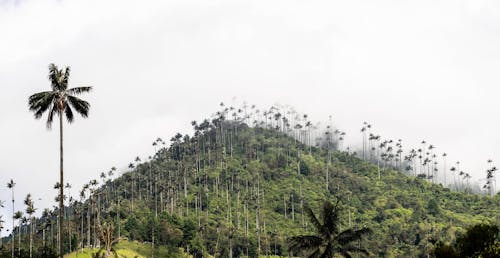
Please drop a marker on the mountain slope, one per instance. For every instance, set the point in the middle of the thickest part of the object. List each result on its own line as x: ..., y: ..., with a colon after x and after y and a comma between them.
x: 239, y: 188
x: 233, y: 190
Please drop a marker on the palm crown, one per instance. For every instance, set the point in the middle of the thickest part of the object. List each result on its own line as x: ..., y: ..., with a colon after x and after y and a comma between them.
x: 329, y: 240
x: 60, y: 99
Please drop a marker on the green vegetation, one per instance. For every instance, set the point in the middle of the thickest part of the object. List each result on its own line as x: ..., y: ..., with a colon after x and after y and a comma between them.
x: 480, y: 240
x: 231, y: 190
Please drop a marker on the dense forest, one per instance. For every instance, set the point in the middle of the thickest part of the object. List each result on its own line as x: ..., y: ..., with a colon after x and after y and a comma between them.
x: 242, y: 184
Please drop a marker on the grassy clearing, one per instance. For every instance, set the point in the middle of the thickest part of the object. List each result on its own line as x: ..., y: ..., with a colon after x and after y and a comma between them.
x: 89, y: 253
x: 126, y: 249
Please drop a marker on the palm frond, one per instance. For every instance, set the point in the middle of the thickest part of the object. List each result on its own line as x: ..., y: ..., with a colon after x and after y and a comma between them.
x: 79, y: 90
x: 328, y: 253
x: 350, y: 235
x: 299, y: 244
x: 345, y: 254
x: 35, y: 98
x: 315, y: 254
x: 69, y: 113
x: 40, y: 102
x: 330, y: 217
x: 313, y: 219
x: 80, y: 106
x: 65, y: 78
x: 352, y: 248
x: 54, y: 77
x: 53, y: 110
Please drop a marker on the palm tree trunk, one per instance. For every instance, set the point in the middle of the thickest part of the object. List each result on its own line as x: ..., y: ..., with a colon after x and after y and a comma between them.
x: 13, y: 222
x: 82, y: 235
x: 43, y: 235
x: 444, y: 171
x: 52, y: 235
x: 284, y: 204
x: 88, y: 225
x: 327, y: 165
x: 19, y: 238
x: 61, y: 186
x: 31, y: 237
x: 153, y: 242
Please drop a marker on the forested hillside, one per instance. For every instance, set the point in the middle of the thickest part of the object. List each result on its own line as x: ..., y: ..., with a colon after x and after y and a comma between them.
x: 233, y: 190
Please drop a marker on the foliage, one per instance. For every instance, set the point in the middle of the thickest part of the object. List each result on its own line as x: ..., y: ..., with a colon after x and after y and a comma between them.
x: 481, y: 240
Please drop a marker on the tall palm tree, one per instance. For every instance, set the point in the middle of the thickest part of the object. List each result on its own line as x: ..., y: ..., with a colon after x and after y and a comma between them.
x: 1, y: 228
x: 329, y: 240
x: 11, y: 186
x: 490, y: 174
x: 30, y: 210
x: 444, y: 167
x: 1, y: 225
x: 61, y: 101
x: 23, y: 224
x: 131, y: 167
x: 45, y: 224
x: 18, y: 216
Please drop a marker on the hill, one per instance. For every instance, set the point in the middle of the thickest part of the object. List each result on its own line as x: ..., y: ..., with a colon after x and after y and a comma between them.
x: 232, y: 190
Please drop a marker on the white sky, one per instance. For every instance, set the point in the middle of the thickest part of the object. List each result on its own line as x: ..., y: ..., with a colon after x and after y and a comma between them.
x: 416, y: 70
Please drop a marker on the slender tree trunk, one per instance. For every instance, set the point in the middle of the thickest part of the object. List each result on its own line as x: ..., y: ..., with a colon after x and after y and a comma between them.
x: 132, y: 190
x: 156, y: 195
x: 69, y: 233
x: 61, y: 186
x: 301, y: 205
x: 284, y: 204
x: 51, y: 235
x: 94, y: 227
x: 81, y: 230
x: 88, y: 225
x: 327, y: 172
x: 238, y: 210
x: 257, y: 221
x: 444, y: 171
x: 13, y: 222
x: 153, y: 240
x: 31, y: 237
x: 230, y: 245
x: 19, y: 238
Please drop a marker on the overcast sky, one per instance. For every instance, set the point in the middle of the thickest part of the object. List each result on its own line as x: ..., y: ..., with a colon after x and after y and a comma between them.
x: 414, y: 69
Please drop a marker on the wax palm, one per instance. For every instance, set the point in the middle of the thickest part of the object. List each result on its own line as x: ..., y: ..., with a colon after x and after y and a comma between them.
x: 30, y: 210
x: 1, y: 228
x: 11, y: 186
x: 60, y: 101
x: 18, y: 216
x: 329, y: 240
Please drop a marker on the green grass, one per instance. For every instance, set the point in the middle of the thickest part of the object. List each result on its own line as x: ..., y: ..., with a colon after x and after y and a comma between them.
x: 89, y: 253
x: 127, y: 249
